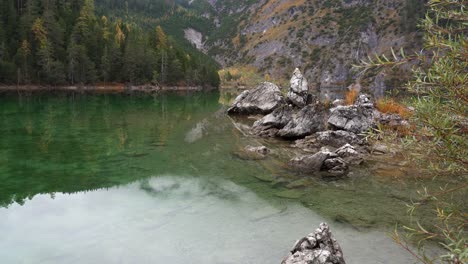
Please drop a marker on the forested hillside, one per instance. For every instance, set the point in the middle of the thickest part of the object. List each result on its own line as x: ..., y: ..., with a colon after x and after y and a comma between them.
x: 58, y: 42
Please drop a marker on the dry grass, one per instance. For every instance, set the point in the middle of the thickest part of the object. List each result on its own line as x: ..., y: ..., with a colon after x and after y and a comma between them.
x: 389, y: 106
x: 242, y: 76
x: 350, y: 96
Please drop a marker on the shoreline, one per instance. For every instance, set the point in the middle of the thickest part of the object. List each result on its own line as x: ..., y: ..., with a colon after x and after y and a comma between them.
x: 101, y: 89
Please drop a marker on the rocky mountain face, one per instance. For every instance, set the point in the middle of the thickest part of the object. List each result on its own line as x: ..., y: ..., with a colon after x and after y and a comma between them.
x: 323, y: 38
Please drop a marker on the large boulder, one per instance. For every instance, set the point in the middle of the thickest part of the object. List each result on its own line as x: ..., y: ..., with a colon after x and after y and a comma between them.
x: 307, y: 121
x: 261, y: 100
x: 271, y: 123
x: 352, y: 118
x: 298, y: 89
x: 319, y: 247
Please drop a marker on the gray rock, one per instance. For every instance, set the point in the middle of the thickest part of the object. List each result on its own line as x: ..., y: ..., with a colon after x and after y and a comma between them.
x: 335, y: 166
x: 346, y: 151
x: 299, y: 89
x: 330, y: 138
x: 319, y: 247
x: 394, y: 121
x: 338, y: 102
x: 276, y: 119
x: 380, y: 149
x: 261, y: 100
x: 349, y: 154
x: 297, y: 99
x: 253, y: 153
x: 352, y: 118
x: 261, y: 150
x: 307, y: 121
x: 311, y: 163
x: 364, y: 100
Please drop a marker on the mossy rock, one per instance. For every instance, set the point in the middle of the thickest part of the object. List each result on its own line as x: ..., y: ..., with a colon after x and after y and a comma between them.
x: 290, y: 194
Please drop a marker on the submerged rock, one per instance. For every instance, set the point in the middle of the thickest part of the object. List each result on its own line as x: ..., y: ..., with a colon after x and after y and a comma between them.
x: 197, y: 132
x: 311, y: 163
x: 307, y: 121
x: 253, y: 153
x: 290, y: 194
x: 319, y: 247
x: 261, y: 100
x: 298, y: 89
x: 261, y: 150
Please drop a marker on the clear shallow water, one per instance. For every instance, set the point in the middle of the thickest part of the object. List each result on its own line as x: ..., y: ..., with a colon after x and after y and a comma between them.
x: 169, y: 219
x: 116, y: 179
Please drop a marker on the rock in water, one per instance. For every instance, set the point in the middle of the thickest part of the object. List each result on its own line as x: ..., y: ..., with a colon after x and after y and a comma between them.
x: 349, y: 154
x: 316, y: 248
x: 335, y: 166
x: 329, y: 138
x: 299, y: 89
x: 307, y: 121
x: 273, y: 121
x: 253, y: 153
x: 261, y: 100
x: 311, y: 163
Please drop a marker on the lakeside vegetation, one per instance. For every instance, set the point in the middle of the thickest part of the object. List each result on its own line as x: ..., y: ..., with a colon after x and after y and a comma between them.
x: 438, y: 141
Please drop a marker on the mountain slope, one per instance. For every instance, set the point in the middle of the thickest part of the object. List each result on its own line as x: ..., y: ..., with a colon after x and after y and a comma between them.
x: 324, y: 38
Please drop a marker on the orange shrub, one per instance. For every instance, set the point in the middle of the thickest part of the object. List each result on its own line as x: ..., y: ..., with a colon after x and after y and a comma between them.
x: 392, y: 107
x: 350, y: 96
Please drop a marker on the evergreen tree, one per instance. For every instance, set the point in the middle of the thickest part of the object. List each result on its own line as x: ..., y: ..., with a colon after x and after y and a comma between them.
x: 59, y: 41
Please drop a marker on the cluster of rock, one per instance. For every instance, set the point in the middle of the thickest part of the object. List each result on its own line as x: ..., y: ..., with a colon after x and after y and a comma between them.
x: 334, y: 163
x: 313, y: 126
x: 316, y: 248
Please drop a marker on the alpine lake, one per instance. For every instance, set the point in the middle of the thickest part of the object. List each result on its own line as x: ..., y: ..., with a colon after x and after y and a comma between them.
x: 114, y: 178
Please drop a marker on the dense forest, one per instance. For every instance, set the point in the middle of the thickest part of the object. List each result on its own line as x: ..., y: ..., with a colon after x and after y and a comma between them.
x: 58, y: 42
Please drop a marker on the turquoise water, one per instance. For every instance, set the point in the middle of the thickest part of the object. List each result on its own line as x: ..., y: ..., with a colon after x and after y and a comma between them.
x: 157, y: 179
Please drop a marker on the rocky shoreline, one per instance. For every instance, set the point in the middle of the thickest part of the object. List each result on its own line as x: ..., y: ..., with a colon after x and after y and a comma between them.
x: 332, y: 134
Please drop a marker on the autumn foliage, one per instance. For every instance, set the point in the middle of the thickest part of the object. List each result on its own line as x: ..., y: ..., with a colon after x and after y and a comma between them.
x: 350, y: 96
x: 390, y: 106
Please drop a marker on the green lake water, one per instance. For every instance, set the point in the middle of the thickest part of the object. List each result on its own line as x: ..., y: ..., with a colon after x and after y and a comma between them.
x: 158, y: 179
